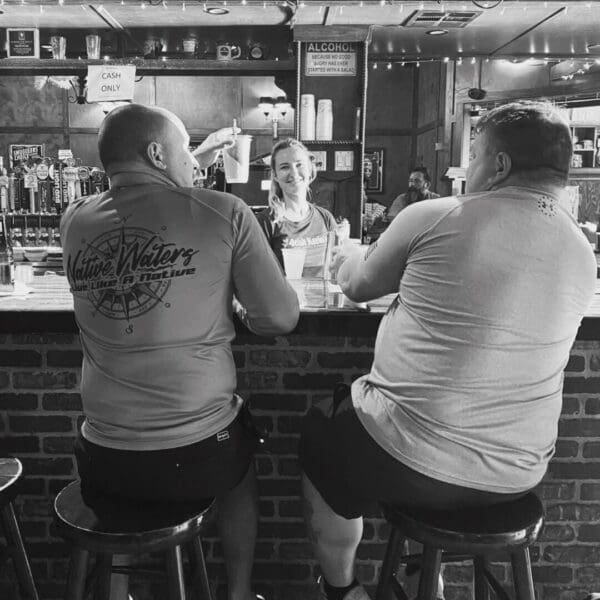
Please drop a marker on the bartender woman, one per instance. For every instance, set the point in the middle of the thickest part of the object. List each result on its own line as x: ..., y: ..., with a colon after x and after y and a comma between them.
x: 291, y: 220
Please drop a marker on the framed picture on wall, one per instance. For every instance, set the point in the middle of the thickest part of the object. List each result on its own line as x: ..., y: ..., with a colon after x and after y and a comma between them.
x: 373, y: 170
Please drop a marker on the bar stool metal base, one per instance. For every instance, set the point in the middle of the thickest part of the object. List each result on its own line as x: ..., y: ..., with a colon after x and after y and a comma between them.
x: 457, y: 536
x: 113, y: 527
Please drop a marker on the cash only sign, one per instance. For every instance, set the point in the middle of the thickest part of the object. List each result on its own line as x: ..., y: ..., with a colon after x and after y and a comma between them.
x: 109, y: 83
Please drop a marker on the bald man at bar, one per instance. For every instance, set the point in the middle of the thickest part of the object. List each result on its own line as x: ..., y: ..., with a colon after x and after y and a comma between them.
x: 461, y: 406
x: 154, y: 265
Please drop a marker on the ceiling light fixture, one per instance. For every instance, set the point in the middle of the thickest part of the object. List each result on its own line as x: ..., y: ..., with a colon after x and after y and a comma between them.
x: 216, y: 11
x: 437, y: 32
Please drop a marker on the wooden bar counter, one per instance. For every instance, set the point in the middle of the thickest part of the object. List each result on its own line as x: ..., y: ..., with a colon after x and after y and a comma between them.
x: 40, y: 411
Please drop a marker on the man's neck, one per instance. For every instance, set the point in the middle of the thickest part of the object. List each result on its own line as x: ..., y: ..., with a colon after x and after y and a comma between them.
x: 128, y: 174
x: 540, y: 186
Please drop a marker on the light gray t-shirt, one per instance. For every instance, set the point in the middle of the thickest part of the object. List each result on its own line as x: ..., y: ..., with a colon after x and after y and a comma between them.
x: 153, y: 269
x: 467, y: 377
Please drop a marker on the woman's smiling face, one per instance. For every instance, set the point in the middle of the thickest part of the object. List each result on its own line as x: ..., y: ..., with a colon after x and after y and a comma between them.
x: 293, y: 171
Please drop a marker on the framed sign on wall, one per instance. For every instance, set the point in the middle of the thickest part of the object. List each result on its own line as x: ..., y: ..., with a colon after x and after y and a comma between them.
x: 373, y: 170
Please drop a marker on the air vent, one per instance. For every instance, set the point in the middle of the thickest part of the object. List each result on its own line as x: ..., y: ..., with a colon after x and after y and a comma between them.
x: 440, y: 18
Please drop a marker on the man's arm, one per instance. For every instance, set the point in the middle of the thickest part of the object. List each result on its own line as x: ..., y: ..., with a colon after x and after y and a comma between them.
x: 270, y: 303
x: 379, y: 271
x: 206, y: 153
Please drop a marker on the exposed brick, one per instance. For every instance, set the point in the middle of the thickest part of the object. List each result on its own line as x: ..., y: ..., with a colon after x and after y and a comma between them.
x: 311, y: 381
x: 572, y: 554
x: 588, y: 576
x: 39, y: 507
x: 556, y: 491
x: 41, y: 549
x: 591, y: 450
x: 289, y: 424
x: 4, y: 380
x: 17, y: 444
x: 288, y: 467
x: 592, y: 406
x: 64, y: 358
x: 56, y: 485
x: 41, y: 339
x: 18, y: 401
x: 371, y: 551
x: 40, y: 424
x: 316, y: 340
x: 20, y: 358
x: 566, y: 449
x: 65, y: 402
x: 575, y: 470
x: 59, y: 445
x: 264, y: 466
x: 290, y: 508
x: 279, y: 402
x: 45, y: 380
x: 253, y: 340
x: 282, y: 530
x: 571, y: 406
x: 590, y: 491
x: 279, y: 487
x: 573, y: 512
x: 589, y: 533
x: 281, y: 571
x: 295, y: 550
x: 581, y: 385
x: 34, y: 529
x: 266, y: 508
x: 31, y: 485
x: 576, y: 363
x: 458, y: 574
x: 552, y: 574
x: 279, y: 358
x: 594, y: 362
x: 48, y: 466
x: 557, y: 533
x: 345, y: 360
x: 579, y: 428
x: 256, y: 380
x: 361, y: 342
x: 239, y: 358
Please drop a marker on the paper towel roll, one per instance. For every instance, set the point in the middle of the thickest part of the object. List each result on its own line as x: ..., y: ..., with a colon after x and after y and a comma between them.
x: 307, y: 117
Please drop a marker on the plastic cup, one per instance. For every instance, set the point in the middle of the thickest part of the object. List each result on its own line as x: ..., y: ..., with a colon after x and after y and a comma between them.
x: 293, y: 262
x: 58, y: 44
x: 92, y: 46
x: 236, y: 160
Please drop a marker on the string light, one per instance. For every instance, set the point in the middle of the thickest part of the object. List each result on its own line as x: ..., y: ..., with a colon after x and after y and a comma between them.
x: 41, y: 8
x: 446, y: 59
x: 183, y: 6
x: 389, y: 66
x: 375, y: 65
x: 418, y: 64
x: 143, y: 6
x: 473, y: 61
x: 401, y: 7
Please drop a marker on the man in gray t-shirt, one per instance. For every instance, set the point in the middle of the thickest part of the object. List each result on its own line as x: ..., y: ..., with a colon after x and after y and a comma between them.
x: 462, y: 402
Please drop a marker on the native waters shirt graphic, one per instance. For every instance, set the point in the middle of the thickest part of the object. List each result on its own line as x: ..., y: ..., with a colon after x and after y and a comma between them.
x: 153, y: 269
x: 127, y: 271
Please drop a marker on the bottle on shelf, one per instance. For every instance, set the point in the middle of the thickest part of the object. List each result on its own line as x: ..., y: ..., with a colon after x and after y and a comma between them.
x: 7, y: 262
x: 4, y: 206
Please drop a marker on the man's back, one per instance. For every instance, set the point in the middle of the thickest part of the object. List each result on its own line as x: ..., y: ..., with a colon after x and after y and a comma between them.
x: 153, y: 269
x: 467, y: 377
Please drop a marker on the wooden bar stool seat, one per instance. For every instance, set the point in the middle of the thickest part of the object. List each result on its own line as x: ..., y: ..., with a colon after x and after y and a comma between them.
x: 112, y: 526
x: 460, y: 535
x: 11, y: 470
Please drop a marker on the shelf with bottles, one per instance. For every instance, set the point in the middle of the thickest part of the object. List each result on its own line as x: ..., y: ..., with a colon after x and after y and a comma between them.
x: 585, y: 146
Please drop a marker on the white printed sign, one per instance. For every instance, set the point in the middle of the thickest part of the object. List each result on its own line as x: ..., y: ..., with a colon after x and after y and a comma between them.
x: 108, y: 83
x: 334, y: 59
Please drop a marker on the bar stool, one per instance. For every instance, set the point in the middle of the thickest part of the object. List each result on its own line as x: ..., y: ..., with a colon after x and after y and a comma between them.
x: 116, y: 527
x: 11, y: 470
x: 457, y: 536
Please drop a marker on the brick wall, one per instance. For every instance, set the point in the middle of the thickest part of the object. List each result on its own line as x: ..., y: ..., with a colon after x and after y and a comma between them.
x: 40, y: 410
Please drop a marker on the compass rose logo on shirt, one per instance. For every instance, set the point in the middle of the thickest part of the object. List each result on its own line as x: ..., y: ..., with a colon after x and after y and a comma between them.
x: 126, y: 272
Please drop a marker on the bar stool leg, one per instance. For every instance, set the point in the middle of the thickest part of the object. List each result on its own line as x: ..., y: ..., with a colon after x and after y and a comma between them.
x: 14, y: 541
x: 482, y: 589
x: 104, y: 566
x: 200, y: 583
x: 521, y: 566
x: 430, y: 571
x: 390, y: 565
x: 175, y: 582
x: 77, y: 574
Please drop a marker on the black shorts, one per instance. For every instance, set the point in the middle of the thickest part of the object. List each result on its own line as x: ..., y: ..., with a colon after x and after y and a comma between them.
x: 352, y: 472
x: 196, y: 472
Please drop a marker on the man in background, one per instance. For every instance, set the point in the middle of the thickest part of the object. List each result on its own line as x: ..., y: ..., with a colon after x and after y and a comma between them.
x: 419, y: 182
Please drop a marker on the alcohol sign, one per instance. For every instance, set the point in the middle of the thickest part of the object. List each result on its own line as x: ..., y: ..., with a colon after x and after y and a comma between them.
x: 334, y: 59
x: 107, y: 83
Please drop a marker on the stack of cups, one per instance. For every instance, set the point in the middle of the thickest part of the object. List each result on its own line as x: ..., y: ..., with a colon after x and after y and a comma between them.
x: 325, y: 120
x: 307, y: 117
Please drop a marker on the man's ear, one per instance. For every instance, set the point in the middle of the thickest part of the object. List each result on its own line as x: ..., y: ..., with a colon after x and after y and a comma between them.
x: 156, y: 155
x: 503, y: 167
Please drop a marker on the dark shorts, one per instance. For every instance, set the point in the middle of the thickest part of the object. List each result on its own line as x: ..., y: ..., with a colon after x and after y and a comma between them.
x: 206, y: 469
x: 352, y: 472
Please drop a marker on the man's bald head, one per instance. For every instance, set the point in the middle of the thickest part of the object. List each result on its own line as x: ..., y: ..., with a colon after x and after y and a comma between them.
x: 127, y: 131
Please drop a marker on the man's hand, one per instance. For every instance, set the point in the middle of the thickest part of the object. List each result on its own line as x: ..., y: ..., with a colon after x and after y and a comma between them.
x: 206, y: 153
x: 346, y: 250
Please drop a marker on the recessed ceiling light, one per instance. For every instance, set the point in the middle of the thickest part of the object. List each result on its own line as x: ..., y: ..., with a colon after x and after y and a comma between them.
x: 437, y: 32
x: 216, y: 10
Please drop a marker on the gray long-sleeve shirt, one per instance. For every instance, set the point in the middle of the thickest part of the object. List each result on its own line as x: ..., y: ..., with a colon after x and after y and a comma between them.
x: 153, y: 269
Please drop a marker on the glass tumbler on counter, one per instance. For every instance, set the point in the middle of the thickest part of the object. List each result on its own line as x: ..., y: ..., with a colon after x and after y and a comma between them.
x: 7, y: 262
x: 58, y: 43
x: 92, y: 46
